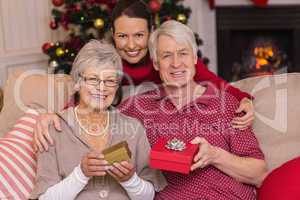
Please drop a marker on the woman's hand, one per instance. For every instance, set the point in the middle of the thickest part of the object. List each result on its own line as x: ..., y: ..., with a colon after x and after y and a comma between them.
x: 93, y: 164
x: 41, y: 136
x: 246, y: 120
x: 122, y: 171
x: 206, y: 155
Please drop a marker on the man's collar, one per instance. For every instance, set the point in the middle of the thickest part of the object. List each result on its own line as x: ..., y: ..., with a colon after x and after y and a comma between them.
x: 209, y: 94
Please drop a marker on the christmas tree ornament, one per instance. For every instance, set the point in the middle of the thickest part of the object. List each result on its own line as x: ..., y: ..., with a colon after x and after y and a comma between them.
x: 53, y: 64
x: 181, y: 18
x: 82, y: 19
x: 154, y: 5
x: 260, y: 3
x: 77, y: 7
x: 99, y: 23
x: 59, y: 52
x: 211, y: 4
x: 58, y: 3
x: 53, y: 25
x: 46, y: 46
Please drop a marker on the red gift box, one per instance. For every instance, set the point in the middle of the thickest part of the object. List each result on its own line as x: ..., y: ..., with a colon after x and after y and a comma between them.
x: 170, y: 160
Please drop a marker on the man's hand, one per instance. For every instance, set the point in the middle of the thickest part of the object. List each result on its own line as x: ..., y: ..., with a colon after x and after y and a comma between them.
x: 206, y: 155
x: 93, y: 164
x: 41, y: 136
x: 122, y: 171
x: 243, y: 122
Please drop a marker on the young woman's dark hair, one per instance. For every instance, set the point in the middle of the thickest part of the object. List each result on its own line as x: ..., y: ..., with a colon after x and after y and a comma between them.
x: 132, y: 8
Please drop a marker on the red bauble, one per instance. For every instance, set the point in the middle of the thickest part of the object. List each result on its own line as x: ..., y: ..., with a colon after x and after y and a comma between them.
x: 53, y: 25
x: 77, y: 7
x: 46, y: 47
x: 260, y: 3
x: 58, y: 2
x: 212, y: 4
x: 154, y: 5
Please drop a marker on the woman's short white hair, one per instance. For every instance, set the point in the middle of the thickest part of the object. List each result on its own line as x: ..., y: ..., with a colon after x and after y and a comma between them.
x: 96, y: 54
x: 181, y: 33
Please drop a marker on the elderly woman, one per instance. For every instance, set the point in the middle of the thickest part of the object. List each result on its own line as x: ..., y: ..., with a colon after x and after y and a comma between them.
x: 74, y: 168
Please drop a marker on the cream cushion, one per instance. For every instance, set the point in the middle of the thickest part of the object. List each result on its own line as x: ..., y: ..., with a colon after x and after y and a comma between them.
x: 25, y: 88
x: 277, y: 115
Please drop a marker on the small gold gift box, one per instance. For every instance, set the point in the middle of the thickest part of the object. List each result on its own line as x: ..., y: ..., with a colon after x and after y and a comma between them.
x: 117, y: 153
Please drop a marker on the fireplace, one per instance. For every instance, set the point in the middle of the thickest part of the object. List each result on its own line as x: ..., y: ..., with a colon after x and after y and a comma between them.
x: 257, y: 41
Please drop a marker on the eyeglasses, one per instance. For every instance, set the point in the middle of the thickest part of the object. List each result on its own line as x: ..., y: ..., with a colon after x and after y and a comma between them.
x: 94, y: 81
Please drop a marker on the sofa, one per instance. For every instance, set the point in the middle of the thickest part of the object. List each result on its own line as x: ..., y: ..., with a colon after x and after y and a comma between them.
x: 277, y: 108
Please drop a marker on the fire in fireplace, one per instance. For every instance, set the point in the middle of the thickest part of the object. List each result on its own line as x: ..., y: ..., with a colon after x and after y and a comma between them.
x: 257, y: 41
x: 260, y: 53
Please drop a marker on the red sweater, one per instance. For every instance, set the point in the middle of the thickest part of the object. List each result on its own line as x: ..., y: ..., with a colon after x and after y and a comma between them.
x: 146, y: 72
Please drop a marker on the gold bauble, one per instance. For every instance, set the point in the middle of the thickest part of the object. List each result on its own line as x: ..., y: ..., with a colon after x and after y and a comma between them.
x: 99, y: 23
x: 181, y: 18
x: 59, y: 52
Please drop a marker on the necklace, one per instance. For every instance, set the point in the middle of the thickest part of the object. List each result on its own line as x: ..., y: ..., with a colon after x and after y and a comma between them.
x: 101, y: 133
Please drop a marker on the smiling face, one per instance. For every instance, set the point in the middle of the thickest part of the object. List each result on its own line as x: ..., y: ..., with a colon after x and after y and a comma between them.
x: 176, y: 62
x: 131, y: 38
x: 95, y: 95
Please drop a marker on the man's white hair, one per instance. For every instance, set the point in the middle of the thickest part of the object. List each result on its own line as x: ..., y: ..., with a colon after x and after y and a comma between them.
x: 96, y: 54
x: 181, y: 33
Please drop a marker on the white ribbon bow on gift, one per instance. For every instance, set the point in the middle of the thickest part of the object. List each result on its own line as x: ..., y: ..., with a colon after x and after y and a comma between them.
x: 175, y: 145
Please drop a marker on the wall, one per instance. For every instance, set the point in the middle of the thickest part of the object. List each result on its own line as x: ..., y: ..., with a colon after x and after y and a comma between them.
x: 23, y: 29
x: 203, y: 21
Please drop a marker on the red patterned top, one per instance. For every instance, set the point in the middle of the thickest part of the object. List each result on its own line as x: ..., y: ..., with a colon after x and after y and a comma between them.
x: 145, y: 71
x: 208, y: 116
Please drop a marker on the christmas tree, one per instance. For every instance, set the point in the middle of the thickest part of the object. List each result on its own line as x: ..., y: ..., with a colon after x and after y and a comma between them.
x: 89, y: 19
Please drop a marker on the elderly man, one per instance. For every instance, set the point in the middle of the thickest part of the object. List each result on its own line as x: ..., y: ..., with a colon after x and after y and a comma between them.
x: 229, y: 163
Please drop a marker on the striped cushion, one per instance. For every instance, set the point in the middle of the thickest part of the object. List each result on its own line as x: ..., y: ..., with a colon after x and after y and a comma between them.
x: 17, y: 159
